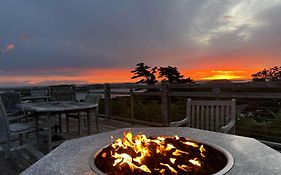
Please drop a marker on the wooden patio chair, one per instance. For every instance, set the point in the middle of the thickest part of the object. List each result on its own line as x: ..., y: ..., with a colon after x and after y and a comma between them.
x: 92, y: 98
x: 10, y: 99
x: 62, y: 92
x: 39, y: 92
x: 218, y: 116
x: 12, y: 127
x: 36, y: 95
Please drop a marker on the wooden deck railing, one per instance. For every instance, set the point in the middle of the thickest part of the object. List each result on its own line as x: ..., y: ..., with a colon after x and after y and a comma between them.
x: 250, y: 90
x: 242, y: 92
x: 166, y: 91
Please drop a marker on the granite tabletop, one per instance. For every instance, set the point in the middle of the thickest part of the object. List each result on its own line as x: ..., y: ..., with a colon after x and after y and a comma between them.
x: 251, y: 157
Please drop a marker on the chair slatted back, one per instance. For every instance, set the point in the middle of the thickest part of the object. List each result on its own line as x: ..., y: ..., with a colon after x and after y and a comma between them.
x: 4, y: 122
x: 39, y: 92
x: 93, y: 98
x: 210, y: 115
x: 9, y: 100
x: 62, y: 92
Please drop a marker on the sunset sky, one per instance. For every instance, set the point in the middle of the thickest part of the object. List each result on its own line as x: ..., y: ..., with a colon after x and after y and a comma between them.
x: 97, y: 41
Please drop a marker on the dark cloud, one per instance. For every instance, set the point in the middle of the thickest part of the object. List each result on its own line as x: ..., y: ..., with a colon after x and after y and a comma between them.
x: 96, y: 33
x: 43, y: 72
x: 74, y: 34
x: 8, y: 84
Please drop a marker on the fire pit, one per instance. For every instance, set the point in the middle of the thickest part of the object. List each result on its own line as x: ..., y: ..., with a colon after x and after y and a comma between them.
x: 137, y: 155
x: 72, y: 157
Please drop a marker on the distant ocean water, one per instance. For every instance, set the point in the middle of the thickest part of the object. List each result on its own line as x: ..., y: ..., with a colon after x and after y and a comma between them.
x: 82, y: 95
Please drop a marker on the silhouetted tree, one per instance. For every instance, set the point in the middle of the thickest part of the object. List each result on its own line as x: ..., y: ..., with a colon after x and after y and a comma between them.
x: 186, y: 80
x: 143, y: 71
x: 271, y: 74
x: 172, y: 75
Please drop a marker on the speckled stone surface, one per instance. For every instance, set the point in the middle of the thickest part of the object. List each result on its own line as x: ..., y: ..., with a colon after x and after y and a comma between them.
x: 251, y: 157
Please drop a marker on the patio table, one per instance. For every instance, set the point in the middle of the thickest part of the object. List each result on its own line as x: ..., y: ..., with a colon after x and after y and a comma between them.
x: 49, y: 109
x: 72, y: 157
x: 36, y: 98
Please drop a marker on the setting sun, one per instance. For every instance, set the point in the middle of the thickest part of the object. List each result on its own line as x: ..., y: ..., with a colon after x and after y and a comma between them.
x: 220, y: 77
x: 230, y: 74
x: 224, y: 74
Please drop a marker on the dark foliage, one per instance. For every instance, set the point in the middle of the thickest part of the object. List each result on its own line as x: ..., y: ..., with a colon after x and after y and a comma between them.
x: 271, y: 74
x: 144, y: 71
x: 172, y: 75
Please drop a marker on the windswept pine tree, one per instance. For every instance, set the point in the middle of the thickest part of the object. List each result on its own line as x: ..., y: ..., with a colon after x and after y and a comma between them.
x: 143, y: 71
x: 168, y: 74
x: 172, y: 75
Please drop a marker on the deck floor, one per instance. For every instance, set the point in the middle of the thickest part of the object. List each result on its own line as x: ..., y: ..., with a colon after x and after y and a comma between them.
x: 18, y: 163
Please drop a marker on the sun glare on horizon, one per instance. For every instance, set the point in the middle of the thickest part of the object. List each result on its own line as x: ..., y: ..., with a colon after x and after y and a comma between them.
x: 225, y: 74
x: 220, y: 74
x: 223, y: 77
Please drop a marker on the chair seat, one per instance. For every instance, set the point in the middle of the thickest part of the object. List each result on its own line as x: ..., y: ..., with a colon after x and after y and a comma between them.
x: 19, y: 127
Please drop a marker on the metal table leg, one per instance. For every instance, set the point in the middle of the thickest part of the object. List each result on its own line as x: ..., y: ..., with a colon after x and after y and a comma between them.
x: 97, y: 120
x: 49, y: 126
x: 89, y: 114
x: 37, y: 129
x: 79, y: 123
x: 60, y: 122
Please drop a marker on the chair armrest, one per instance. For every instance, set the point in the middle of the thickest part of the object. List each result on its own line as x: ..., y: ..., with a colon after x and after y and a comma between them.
x: 12, y: 114
x: 179, y: 123
x: 227, y: 127
x: 16, y: 117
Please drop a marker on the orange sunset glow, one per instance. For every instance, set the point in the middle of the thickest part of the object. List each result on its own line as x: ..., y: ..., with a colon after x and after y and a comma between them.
x: 101, y: 42
x: 121, y: 75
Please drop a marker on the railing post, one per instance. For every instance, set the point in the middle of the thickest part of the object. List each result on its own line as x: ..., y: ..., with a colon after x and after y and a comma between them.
x: 165, y: 104
x: 216, y: 91
x: 107, y: 101
x: 132, y: 105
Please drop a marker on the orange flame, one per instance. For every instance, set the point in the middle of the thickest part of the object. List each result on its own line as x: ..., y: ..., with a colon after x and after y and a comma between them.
x: 140, y: 145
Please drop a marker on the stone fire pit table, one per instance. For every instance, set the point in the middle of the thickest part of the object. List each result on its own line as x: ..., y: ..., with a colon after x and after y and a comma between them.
x: 72, y: 157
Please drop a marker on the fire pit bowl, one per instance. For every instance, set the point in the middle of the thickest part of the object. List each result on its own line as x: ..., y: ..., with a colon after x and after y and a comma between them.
x: 169, y: 154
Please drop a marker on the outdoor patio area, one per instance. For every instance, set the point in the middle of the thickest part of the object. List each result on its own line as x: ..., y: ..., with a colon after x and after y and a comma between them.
x: 15, y: 166
x: 66, y: 114
x: 140, y: 87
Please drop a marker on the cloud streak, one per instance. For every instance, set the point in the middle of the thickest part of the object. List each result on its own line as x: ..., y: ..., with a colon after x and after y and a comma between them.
x: 8, y: 48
